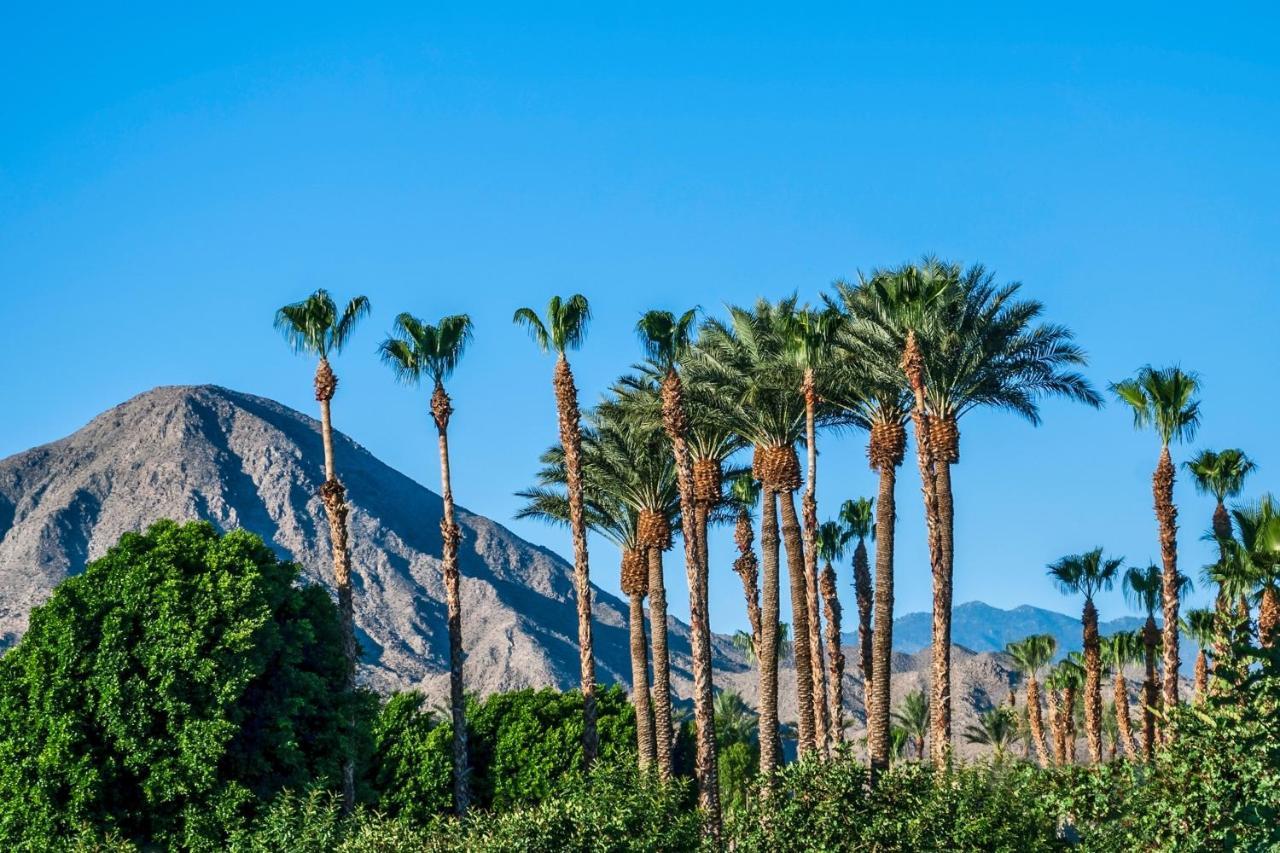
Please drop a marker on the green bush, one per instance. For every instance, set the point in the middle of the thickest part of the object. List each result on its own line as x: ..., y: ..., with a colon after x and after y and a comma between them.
x: 161, y: 694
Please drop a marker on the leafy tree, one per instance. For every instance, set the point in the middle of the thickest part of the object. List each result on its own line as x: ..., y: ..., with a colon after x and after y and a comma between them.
x: 162, y: 694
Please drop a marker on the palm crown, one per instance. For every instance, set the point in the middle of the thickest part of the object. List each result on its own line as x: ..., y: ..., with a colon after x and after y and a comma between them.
x: 1220, y: 473
x: 810, y: 336
x: 1164, y: 399
x: 830, y: 540
x: 1122, y: 648
x: 1144, y: 587
x: 665, y: 337
x: 858, y: 517
x: 418, y: 349
x: 315, y: 326
x: 1033, y: 653
x: 565, y: 326
x: 744, y: 492
x: 1086, y: 573
x: 1201, y: 625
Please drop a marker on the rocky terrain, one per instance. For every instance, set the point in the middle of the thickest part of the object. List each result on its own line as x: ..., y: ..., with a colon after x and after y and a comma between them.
x: 237, y: 460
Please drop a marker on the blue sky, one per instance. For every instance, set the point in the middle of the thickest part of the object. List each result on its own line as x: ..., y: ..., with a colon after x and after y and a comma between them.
x: 169, y: 177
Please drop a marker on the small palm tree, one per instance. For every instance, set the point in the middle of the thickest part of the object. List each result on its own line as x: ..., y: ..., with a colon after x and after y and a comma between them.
x: 1067, y: 678
x: 912, y: 715
x: 1031, y: 656
x: 996, y: 728
x: 418, y: 350
x: 564, y: 329
x: 1201, y: 626
x: 1258, y: 524
x: 315, y: 326
x: 830, y: 544
x: 1087, y: 574
x: 1144, y: 588
x: 859, y: 520
x: 1165, y: 400
x: 1221, y: 474
x: 743, y: 643
x: 1119, y: 650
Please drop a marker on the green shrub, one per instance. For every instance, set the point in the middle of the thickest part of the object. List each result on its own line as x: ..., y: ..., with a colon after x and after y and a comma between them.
x: 161, y: 694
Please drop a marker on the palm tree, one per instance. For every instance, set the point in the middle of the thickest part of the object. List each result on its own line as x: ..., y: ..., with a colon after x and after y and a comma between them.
x: 913, y: 716
x: 858, y: 516
x: 748, y: 357
x: 1258, y: 548
x: 830, y: 544
x: 1143, y: 588
x: 996, y: 728
x: 744, y: 494
x: 811, y: 336
x: 1165, y: 400
x: 1068, y: 677
x: 1221, y: 474
x: 1201, y: 626
x: 1088, y: 574
x: 743, y: 643
x: 1120, y: 650
x: 1031, y: 655
x: 666, y: 340
x: 564, y: 329
x: 315, y: 326
x: 416, y: 350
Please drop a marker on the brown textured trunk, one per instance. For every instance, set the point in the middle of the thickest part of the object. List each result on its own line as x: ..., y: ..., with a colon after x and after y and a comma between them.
x: 1202, y: 676
x: 882, y: 639
x: 862, y: 590
x: 1269, y: 617
x: 675, y: 420
x: 571, y: 442
x: 662, y: 726
x: 450, y: 537
x: 333, y: 496
x: 1055, y: 726
x: 809, y: 513
x: 767, y: 647
x: 1035, y: 721
x: 1150, y: 636
x: 748, y: 569
x: 1092, y: 682
x: 1167, y: 516
x: 645, y: 745
x: 1124, y: 728
x: 800, y: 625
x: 1069, y: 722
x: 1222, y: 603
x: 930, y: 473
x: 835, y: 655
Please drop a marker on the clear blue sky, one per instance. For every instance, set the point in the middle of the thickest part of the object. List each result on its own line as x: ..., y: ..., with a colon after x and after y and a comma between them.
x: 169, y: 177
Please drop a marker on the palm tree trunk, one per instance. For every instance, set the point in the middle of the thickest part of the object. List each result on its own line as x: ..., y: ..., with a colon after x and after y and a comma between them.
x: 662, y: 726
x: 1035, y: 721
x: 882, y: 637
x: 1124, y: 728
x: 835, y: 655
x: 1055, y: 725
x: 767, y: 647
x: 571, y: 442
x: 1202, y: 676
x: 706, y: 769
x: 809, y: 511
x: 940, y: 684
x: 450, y: 537
x: 333, y: 496
x: 1150, y: 635
x: 800, y: 624
x: 862, y: 590
x: 1167, y: 516
x: 1269, y: 617
x: 645, y: 745
x: 748, y: 569
x: 1092, y: 682
x: 1069, y: 722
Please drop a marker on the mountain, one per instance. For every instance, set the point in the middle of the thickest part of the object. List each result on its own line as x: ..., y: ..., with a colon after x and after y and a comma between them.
x: 237, y: 460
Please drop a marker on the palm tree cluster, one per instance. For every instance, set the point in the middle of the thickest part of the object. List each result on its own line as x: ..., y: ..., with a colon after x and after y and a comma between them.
x: 708, y: 428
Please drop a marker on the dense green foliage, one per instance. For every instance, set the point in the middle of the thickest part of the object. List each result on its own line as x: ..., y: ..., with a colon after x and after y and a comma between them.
x: 166, y: 690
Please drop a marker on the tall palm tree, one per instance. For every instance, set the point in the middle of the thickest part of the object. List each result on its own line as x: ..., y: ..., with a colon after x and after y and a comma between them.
x: 1031, y: 655
x: 1258, y: 549
x: 1088, y: 574
x: 874, y: 397
x: 666, y: 339
x: 418, y: 350
x: 564, y: 329
x: 811, y: 336
x: 996, y: 728
x: 913, y: 716
x: 744, y: 494
x: 1120, y: 650
x: 830, y: 545
x: 1165, y: 400
x: 1143, y: 588
x: 1201, y: 626
x: 858, y: 518
x: 1221, y: 474
x: 315, y: 326
x: 748, y: 357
